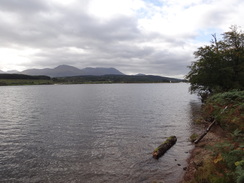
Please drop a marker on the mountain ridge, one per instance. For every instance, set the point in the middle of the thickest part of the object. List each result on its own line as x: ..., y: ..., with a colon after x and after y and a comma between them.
x: 90, y: 74
x: 67, y: 71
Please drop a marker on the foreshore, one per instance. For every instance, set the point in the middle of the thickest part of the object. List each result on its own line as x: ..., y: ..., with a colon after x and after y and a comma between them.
x: 200, y: 153
x: 218, y: 157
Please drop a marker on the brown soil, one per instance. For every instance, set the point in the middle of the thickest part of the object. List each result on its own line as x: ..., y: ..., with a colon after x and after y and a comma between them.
x: 200, y: 153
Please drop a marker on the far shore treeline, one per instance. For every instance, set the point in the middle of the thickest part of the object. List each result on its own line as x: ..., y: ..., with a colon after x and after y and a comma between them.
x: 22, y: 79
x: 23, y: 76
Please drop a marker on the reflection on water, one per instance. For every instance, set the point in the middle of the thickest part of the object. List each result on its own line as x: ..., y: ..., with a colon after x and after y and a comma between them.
x: 94, y: 133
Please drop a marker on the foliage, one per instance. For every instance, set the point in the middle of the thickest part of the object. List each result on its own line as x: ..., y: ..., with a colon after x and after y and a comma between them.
x: 232, y: 118
x: 230, y: 159
x: 224, y: 166
x: 219, y: 66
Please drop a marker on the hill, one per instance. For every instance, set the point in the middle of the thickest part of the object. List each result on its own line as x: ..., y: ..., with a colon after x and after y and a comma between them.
x: 66, y: 70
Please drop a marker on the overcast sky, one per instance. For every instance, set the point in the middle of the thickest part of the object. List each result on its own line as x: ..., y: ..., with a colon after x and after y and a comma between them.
x: 135, y: 36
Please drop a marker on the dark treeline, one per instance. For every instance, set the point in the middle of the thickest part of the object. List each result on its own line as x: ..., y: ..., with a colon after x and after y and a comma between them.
x: 23, y: 76
x: 6, y: 78
x: 117, y: 79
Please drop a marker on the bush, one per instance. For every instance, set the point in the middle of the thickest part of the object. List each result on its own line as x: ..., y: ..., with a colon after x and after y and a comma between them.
x: 232, y: 118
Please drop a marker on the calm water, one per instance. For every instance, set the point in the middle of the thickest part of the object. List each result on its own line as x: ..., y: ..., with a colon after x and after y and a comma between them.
x: 94, y: 133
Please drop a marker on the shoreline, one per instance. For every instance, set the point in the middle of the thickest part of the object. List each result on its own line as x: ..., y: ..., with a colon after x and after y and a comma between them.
x: 200, y: 153
x: 218, y: 157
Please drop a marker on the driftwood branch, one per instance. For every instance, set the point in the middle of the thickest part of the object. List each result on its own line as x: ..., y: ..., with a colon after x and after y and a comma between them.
x: 208, y: 129
x: 158, y: 152
x: 205, y: 133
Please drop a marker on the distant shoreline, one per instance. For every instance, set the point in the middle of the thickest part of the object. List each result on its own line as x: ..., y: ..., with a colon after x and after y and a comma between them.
x: 20, y: 79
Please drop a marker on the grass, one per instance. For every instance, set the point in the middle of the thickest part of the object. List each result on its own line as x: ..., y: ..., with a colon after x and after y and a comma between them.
x: 193, y: 137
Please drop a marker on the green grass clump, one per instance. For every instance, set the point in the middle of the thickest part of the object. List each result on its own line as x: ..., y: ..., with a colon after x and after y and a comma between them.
x: 193, y: 137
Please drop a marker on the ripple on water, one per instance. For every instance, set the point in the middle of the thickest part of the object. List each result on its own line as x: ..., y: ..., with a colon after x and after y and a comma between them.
x: 93, y: 133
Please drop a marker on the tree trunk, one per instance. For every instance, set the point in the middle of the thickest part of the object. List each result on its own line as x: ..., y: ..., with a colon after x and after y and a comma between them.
x: 158, y: 152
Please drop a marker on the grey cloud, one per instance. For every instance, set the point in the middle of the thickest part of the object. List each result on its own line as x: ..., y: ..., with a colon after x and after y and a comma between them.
x: 23, y: 6
x: 214, y: 17
x: 222, y: 14
x: 112, y: 43
x: 68, y: 29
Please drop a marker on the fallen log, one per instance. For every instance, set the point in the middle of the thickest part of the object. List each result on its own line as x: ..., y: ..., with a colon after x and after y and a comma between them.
x: 160, y: 150
x: 209, y: 127
x: 205, y: 133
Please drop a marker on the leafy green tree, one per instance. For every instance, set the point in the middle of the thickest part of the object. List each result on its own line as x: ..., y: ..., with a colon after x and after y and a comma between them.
x: 219, y: 66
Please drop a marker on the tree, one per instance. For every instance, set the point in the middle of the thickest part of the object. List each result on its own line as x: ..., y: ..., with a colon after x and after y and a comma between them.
x: 219, y: 66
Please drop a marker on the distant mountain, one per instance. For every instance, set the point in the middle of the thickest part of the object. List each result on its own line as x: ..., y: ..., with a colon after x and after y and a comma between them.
x: 140, y: 74
x: 12, y: 72
x: 99, y: 71
x: 37, y: 72
x: 60, y: 71
x: 1, y: 71
x: 66, y: 70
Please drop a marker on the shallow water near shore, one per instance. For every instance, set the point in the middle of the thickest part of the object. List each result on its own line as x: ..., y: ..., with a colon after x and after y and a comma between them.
x: 94, y: 133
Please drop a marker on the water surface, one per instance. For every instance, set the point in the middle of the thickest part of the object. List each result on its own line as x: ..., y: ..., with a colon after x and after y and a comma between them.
x: 94, y: 133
